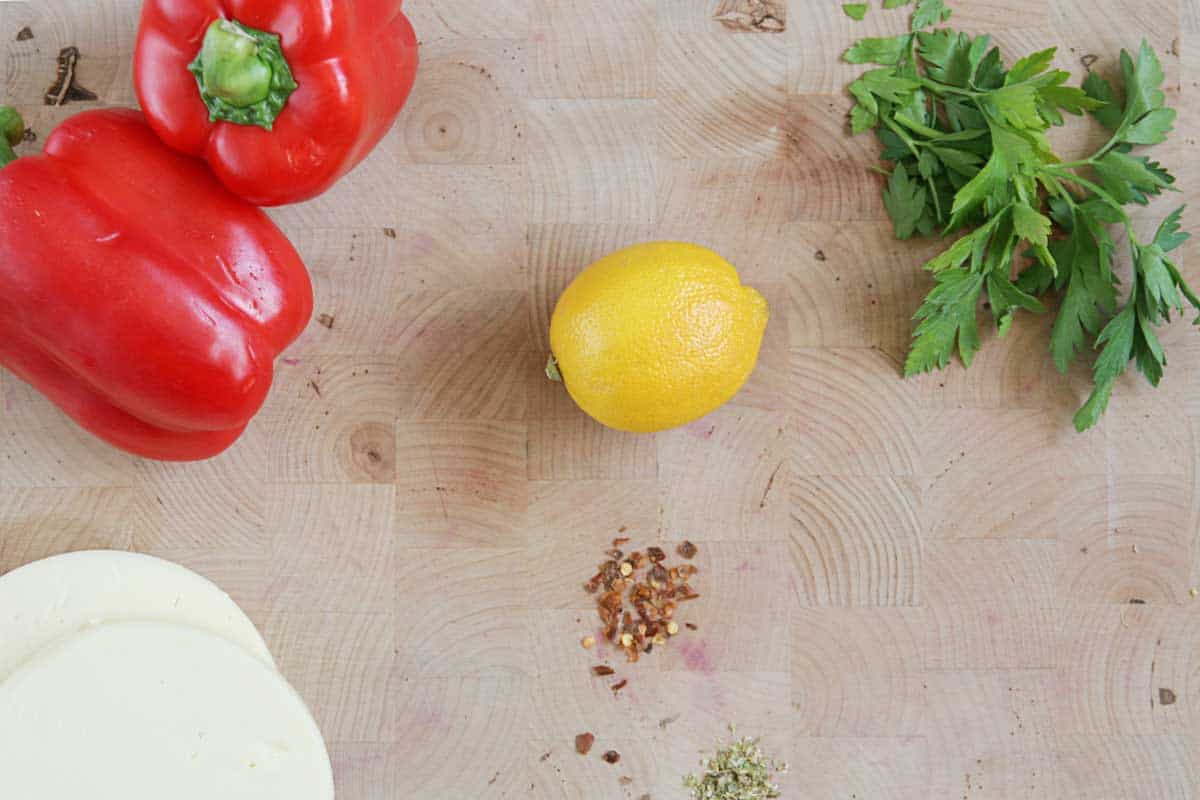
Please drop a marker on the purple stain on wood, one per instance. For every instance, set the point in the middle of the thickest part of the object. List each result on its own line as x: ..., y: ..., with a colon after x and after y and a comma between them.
x: 701, y: 430
x: 745, y: 566
x: 423, y: 244
x: 292, y: 362
x: 696, y: 657
x: 426, y: 722
x: 355, y: 759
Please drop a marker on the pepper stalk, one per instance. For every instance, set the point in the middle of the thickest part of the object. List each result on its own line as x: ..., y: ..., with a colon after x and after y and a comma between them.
x: 12, y: 131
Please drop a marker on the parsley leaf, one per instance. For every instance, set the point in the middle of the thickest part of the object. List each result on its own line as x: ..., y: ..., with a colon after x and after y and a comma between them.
x: 1030, y: 66
x: 1152, y: 128
x: 855, y: 11
x: 886, y: 51
x: 1117, y: 342
x: 905, y: 202
x: 1090, y: 292
x: 1143, y: 84
x: 947, y: 317
x: 929, y: 13
x: 1031, y: 225
x: 862, y: 120
x: 1129, y: 179
x: 1099, y: 90
x: 896, y: 3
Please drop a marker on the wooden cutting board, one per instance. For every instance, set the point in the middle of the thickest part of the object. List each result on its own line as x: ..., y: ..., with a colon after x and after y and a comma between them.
x: 911, y: 590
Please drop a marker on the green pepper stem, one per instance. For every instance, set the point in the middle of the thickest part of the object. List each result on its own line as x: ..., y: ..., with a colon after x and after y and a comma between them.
x: 552, y: 371
x: 12, y: 130
x: 232, y: 69
x: 242, y: 74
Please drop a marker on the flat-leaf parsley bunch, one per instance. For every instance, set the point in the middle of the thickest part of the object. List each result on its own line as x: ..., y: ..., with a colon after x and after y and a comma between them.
x: 966, y: 138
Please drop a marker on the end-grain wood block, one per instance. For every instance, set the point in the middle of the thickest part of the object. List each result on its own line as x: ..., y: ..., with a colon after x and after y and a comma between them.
x: 855, y: 541
x: 467, y: 735
x: 463, y: 355
x: 694, y: 465
x: 992, y: 733
x: 876, y: 767
x: 993, y: 475
x: 45, y: 448
x: 721, y: 96
x: 344, y: 410
x: 1126, y: 766
x: 99, y: 29
x: 465, y: 107
x: 172, y: 518
x: 852, y: 415
x: 332, y: 548
x: 1153, y: 693
x: 39, y: 523
x: 823, y: 156
x: 579, y: 448
x: 469, y: 19
x: 989, y: 604
x: 463, y: 613
x: 852, y: 285
x: 710, y: 191
x: 858, y: 673
x: 596, y: 161
x: 580, y: 49
x: 464, y: 484
x: 1128, y: 538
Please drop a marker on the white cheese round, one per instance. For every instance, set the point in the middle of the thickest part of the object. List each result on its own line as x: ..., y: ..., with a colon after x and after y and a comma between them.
x: 49, y: 600
x: 146, y: 711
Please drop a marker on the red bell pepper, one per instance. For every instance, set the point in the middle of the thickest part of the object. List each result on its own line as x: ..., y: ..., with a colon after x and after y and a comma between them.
x: 137, y: 293
x: 281, y: 97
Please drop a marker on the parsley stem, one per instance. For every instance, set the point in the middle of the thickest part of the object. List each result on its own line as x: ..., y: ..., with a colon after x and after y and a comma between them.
x: 904, y: 137
x: 1067, y: 175
x: 1110, y: 144
x: 941, y: 88
x: 1086, y: 162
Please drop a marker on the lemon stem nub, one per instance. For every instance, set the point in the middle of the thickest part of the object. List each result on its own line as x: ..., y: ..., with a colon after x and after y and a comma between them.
x: 552, y: 370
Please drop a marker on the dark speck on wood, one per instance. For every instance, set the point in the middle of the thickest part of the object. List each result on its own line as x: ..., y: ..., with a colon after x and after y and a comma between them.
x: 66, y: 88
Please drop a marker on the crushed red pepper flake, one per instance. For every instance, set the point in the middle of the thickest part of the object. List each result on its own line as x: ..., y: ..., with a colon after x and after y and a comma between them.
x: 687, y: 550
x: 603, y: 670
x: 616, y: 687
x: 612, y: 756
x: 583, y: 743
x: 637, y: 595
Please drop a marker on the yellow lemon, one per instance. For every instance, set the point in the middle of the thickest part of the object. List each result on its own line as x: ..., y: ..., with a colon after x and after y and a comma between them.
x: 656, y: 335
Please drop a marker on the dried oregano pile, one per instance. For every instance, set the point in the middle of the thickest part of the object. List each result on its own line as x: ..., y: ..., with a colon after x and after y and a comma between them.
x: 738, y: 771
